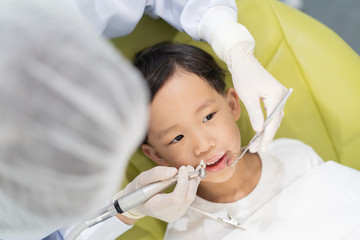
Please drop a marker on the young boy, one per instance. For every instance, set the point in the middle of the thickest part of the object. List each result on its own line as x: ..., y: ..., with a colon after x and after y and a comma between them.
x: 193, y: 118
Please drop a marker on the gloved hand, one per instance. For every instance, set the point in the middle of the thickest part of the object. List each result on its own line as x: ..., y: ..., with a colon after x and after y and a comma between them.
x: 234, y: 44
x: 252, y: 83
x: 167, y: 207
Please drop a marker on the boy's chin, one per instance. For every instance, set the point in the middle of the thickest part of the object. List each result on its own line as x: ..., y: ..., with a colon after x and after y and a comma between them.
x: 219, y: 177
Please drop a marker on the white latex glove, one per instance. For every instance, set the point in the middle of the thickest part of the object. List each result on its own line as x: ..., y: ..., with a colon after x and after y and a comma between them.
x: 233, y: 43
x: 165, y: 206
x: 252, y: 83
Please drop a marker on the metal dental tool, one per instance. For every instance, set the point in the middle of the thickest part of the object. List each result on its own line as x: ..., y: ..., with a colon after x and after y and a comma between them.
x: 131, y: 200
x: 233, y: 158
x: 230, y: 220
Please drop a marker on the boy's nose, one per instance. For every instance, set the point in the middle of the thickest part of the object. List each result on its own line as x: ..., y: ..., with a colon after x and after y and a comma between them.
x: 203, y: 144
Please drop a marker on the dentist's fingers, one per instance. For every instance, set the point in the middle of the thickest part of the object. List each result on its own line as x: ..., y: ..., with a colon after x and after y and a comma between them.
x: 265, y: 139
x: 270, y: 130
x: 270, y: 104
x: 155, y: 174
x: 253, y: 107
x: 256, y: 145
x: 193, y: 185
x: 182, y: 185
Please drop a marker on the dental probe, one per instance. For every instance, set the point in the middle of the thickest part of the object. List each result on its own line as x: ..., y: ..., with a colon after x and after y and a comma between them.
x: 131, y: 200
x: 268, y: 119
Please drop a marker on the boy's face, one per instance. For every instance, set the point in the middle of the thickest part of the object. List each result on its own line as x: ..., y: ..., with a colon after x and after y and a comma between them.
x: 190, y: 122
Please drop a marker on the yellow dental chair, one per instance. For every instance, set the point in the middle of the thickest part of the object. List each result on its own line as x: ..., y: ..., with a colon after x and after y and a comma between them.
x: 299, y: 52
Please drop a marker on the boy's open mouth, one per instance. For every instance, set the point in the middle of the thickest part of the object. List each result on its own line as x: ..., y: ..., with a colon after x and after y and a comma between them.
x: 217, y: 165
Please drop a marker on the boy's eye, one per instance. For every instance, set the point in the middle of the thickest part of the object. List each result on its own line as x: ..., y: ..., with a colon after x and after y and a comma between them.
x: 208, y: 117
x: 177, y: 138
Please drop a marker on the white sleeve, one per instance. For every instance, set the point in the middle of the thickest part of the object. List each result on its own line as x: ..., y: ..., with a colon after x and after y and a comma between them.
x: 107, y: 230
x: 115, y: 18
x: 185, y: 15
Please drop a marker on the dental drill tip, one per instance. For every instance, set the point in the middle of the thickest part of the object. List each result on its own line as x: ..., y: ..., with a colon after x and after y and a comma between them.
x: 202, y: 171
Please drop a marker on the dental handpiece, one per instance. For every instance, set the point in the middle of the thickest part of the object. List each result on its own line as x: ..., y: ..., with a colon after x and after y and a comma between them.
x: 131, y: 200
x: 141, y: 195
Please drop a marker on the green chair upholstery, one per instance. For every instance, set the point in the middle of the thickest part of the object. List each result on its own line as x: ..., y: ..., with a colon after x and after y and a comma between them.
x: 301, y: 53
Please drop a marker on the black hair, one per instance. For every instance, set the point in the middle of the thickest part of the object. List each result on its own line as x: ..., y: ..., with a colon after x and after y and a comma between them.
x: 159, y: 62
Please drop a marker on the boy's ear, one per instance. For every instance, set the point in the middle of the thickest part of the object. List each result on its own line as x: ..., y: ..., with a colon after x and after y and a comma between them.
x: 154, y: 155
x: 234, y: 103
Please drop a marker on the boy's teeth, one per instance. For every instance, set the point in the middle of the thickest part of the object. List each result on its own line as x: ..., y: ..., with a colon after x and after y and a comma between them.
x: 211, y: 163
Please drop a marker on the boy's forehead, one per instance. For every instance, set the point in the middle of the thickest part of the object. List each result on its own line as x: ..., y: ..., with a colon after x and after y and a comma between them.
x: 182, y: 96
x: 185, y: 87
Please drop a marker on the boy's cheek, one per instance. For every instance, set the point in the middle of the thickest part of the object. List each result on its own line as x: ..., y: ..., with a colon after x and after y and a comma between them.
x: 178, y: 161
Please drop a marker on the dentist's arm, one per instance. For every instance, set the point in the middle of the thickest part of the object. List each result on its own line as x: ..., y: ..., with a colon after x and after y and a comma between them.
x: 233, y: 43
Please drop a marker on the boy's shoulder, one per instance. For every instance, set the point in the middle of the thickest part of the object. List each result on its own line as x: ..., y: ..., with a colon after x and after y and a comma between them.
x: 286, y: 160
x: 294, y: 154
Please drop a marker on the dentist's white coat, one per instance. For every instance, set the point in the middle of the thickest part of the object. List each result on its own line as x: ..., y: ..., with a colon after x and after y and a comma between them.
x: 115, y: 18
